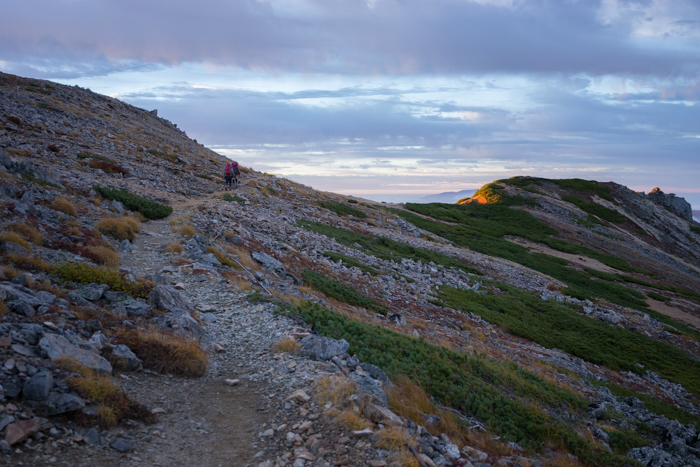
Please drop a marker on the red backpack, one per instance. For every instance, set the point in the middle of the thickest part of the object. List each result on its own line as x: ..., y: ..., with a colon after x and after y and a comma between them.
x: 228, y: 168
x: 234, y: 166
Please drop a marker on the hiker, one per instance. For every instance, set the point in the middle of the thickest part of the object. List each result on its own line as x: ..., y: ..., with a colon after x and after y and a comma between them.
x: 235, y: 172
x: 228, y: 175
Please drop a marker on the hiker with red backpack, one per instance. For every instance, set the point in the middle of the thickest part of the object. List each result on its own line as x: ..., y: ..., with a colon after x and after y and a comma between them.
x: 231, y: 174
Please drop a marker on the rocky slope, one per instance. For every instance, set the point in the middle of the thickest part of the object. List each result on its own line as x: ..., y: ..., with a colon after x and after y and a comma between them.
x: 266, y: 281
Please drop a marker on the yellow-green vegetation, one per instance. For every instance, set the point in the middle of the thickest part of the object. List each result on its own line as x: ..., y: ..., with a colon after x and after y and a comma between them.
x: 14, y: 238
x: 508, y: 399
x: 187, y: 231
x: 287, y: 344
x: 166, y: 353
x: 339, y: 291
x: 150, y: 208
x: 63, y: 205
x: 384, y: 248
x: 107, y: 256
x: 223, y: 259
x: 341, y: 209
x: 174, y: 248
x: 409, y: 400
x: 120, y: 228
x: 85, y: 273
x: 558, y: 325
x: 114, y: 405
x: 27, y: 232
x: 493, y: 194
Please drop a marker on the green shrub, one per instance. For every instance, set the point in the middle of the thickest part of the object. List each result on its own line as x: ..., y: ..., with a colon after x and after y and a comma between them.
x: 150, y: 209
x: 232, y: 199
x: 341, y: 209
x: 622, y: 441
x: 344, y: 293
x: 584, y: 186
x: 85, y: 273
x: 498, y: 393
x: 384, y: 248
x: 557, y: 325
x: 595, y: 209
x: 658, y: 296
x: 350, y: 262
x: 695, y: 229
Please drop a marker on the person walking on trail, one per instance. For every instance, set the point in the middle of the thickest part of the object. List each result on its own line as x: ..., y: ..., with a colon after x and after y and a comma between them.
x: 231, y: 174
x: 228, y: 175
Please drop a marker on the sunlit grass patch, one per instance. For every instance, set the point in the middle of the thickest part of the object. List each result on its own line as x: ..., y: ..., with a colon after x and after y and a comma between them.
x: 166, y: 353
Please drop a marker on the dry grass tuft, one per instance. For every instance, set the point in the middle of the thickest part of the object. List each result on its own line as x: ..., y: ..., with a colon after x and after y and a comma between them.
x: 552, y: 287
x: 15, y: 238
x: 409, y: 400
x: 120, y: 228
x: 242, y: 256
x: 28, y: 233
x: 286, y: 344
x: 174, y: 248
x: 166, y: 353
x: 223, y: 259
x: 187, y: 231
x: 29, y: 263
x: 392, y: 438
x: 3, y: 308
x: 107, y: 256
x: 114, y: 405
x: 335, y: 389
x: 351, y: 421
x: 405, y: 458
x: 65, y: 206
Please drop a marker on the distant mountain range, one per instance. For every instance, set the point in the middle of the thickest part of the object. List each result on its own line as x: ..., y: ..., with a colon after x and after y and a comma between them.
x: 696, y: 215
x: 447, y: 197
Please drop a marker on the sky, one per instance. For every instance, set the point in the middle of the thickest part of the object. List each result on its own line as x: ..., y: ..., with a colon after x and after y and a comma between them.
x: 395, y: 99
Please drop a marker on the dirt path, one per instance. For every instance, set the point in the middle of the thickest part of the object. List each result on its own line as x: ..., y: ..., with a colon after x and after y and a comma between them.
x: 675, y: 313
x: 581, y: 260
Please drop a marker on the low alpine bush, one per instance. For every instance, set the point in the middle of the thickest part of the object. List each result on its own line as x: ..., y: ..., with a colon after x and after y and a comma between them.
x: 150, y: 208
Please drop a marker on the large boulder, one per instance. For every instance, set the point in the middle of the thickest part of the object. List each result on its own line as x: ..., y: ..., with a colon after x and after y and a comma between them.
x: 37, y: 387
x: 92, y: 291
x: 370, y: 386
x: 19, y: 431
x: 322, y: 348
x: 675, y: 204
x: 58, y: 403
x: 122, y: 358
x: 165, y: 297
x: 181, y: 324
x: 58, y: 347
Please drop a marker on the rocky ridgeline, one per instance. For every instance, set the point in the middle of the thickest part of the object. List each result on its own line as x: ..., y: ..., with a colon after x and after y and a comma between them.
x: 255, y: 404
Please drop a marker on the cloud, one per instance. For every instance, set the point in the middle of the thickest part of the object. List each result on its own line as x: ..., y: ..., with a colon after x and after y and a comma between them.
x: 354, y: 37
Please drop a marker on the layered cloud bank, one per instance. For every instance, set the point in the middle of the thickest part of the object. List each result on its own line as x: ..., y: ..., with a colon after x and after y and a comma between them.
x: 386, y: 97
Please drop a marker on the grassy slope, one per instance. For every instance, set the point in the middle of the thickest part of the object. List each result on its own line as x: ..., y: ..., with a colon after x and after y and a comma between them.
x: 501, y: 394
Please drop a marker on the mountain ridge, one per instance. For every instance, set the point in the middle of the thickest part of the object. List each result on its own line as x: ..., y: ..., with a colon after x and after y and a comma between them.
x: 571, y: 295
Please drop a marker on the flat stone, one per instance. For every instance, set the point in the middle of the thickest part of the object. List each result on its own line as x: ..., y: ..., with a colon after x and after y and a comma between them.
x: 122, y: 445
x: 165, y: 297
x: 24, y: 350
x: 57, y: 347
x: 92, y: 437
x: 5, y: 341
x: 19, y: 431
x: 5, y: 419
x: 299, y: 396
x: 382, y: 415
